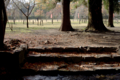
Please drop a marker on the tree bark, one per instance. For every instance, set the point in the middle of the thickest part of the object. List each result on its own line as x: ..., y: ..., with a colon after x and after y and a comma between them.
x: 66, y: 24
x: 95, y: 22
x: 3, y: 21
x: 1, y: 26
x: 111, y: 10
x: 52, y: 20
x: 27, y: 22
x: 14, y: 21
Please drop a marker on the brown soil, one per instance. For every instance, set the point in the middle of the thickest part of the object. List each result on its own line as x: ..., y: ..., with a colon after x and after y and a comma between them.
x: 53, y: 37
x: 11, y: 44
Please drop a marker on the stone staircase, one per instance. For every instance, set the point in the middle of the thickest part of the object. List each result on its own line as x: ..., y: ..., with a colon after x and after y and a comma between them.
x: 72, y: 59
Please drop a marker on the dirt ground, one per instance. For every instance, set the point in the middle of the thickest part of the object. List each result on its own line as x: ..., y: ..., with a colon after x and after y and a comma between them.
x: 53, y: 37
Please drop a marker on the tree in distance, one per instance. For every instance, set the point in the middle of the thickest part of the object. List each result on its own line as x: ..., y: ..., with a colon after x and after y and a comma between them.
x: 27, y: 6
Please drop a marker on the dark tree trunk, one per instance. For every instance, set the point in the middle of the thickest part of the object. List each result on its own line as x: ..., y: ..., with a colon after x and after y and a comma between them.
x: 3, y: 21
x: 37, y: 22
x: 52, y: 20
x: 1, y: 26
x: 33, y: 21
x: 46, y: 18
x: 5, y: 17
x: 95, y: 22
x: 14, y: 21
x: 110, y: 21
x: 66, y: 24
x: 40, y: 22
x: 27, y: 22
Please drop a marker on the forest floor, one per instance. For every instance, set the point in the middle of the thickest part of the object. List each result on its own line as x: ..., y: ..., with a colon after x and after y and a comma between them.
x: 53, y: 37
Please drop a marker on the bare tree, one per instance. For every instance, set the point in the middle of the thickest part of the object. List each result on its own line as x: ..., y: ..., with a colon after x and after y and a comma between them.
x: 12, y: 10
x: 29, y: 5
x: 6, y: 3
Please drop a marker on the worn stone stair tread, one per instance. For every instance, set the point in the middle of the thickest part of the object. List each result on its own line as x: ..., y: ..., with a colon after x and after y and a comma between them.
x: 110, y: 65
x: 62, y: 66
x: 104, y: 55
x: 72, y: 54
x: 72, y: 59
x: 115, y: 55
x: 106, y: 68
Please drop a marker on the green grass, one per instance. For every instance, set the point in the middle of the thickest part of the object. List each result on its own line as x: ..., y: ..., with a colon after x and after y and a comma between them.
x: 20, y: 27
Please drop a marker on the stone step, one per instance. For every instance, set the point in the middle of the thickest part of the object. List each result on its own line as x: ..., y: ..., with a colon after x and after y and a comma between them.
x: 72, y: 57
x: 72, y: 67
x: 74, y: 49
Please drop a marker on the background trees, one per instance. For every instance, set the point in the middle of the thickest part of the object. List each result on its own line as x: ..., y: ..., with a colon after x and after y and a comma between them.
x: 55, y: 11
x: 66, y: 24
x: 6, y: 3
x: 28, y: 5
x: 112, y: 6
x: 12, y: 11
x: 95, y: 20
x: 44, y: 9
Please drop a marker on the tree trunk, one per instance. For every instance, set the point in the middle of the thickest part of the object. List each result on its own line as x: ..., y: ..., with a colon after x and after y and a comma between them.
x: 27, y: 22
x: 1, y: 27
x: 95, y: 22
x: 46, y: 18
x: 52, y: 20
x: 40, y: 21
x: 5, y: 17
x: 66, y: 24
x: 3, y: 21
x: 110, y: 21
x: 14, y: 21
x: 33, y: 21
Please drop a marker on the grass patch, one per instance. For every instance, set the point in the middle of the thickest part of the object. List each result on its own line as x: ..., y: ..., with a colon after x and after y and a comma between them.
x: 20, y: 27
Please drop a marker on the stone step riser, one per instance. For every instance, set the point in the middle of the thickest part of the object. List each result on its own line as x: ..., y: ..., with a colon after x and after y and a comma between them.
x: 75, y: 49
x: 101, y: 69
x: 39, y: 61
x: 68, y: 73
x: 72, y: 59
